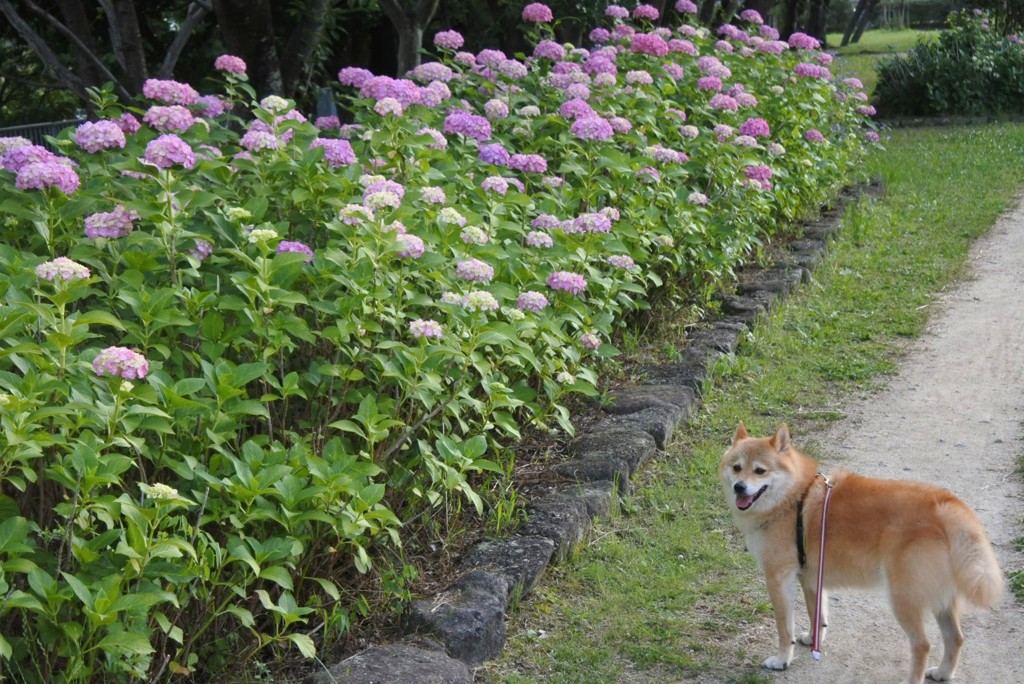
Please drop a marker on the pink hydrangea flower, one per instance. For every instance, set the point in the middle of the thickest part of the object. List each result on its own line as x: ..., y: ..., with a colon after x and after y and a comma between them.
x: 47, y: 174
x: 449, y: 40
x: 531, y: 301
x: 121, y: 362
x: 814, y: 135
x: 686, y: 7
x: 354, y: 76
x: 757, y: 128
x: 169, y: 118
x: 62, y: 268
x: 111, y: 224
x: 536, y: 238
x: 648, y: 44
x: 168, y: 150
x: 623, y: 261
x: 169, y: 92
x: 128, y: 123
x: 592, y: 128
x: 425, y: 328
x: 573, y: 283
x: 538, y: 13
x: 475, y: 271
x: 648, y: 12
x: 530, y: 163
x: 99, y: 135
x: 590, y: 341
x: 410, y: 246
x: 229, y: 64
x: 299, y: 247
x: 336, y: 152
x: 468, y: 125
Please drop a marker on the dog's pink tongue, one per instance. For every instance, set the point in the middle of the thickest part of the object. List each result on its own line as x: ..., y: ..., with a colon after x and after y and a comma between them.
x: 744, y: 502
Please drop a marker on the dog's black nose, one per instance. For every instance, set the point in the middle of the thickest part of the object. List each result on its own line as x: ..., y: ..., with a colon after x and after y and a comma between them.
x: 740, y: 488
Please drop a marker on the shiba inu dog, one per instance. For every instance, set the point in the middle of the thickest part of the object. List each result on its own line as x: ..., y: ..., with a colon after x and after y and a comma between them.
x: 920, y: 543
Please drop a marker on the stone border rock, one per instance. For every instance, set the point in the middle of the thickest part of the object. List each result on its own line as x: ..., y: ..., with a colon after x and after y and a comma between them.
x: 443, y: 637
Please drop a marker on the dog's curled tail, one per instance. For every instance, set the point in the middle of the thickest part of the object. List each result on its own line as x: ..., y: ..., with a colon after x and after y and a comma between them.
x: 977, y: 573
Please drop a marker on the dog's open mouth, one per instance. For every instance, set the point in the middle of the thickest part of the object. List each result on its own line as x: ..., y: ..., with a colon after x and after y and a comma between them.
x: 743, y: 502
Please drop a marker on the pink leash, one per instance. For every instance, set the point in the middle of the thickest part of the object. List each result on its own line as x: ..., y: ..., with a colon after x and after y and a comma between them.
x: 816, y: 644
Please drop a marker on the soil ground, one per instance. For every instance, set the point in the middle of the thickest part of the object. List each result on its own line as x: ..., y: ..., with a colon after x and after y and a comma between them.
x: 954, y: 416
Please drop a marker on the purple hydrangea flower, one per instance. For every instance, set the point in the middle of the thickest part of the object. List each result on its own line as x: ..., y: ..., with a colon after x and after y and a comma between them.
x: 814, y: 135
x: 121, y: 362
x: 623, y: 261
x: 686, y: 7
x: 590, y: 341
x: 495, y: 184
x: 802, y: 41
x: 493, y: 153
x: 202, y: 250
x: 128, y: 123
x: 709, y: 83
x: 724, y: 102
x: 549, y: 49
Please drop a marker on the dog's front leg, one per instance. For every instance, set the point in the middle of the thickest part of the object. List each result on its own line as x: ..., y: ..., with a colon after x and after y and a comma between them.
x: 782, y: 592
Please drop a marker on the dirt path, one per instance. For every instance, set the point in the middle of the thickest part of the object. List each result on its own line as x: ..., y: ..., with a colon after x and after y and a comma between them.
x: 952, y: 417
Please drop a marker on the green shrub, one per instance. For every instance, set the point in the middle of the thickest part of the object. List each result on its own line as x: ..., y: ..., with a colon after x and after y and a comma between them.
x: 968, y: 70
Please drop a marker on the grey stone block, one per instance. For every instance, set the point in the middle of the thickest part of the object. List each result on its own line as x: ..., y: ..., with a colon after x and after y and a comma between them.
x: 690, y: 371
x: 596, y: 470
x: 719, y: 335
x: 611, y: 442
x: 396, y: 664
x: 631, y: 399
x: 561, y: 520
x: 777, y: 280
x: 658, y: 421
x: 520, y: 559
x: 468, y: 617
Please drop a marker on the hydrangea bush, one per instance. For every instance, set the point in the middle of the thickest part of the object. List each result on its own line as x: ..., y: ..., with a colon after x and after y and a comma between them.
x: 241, y: 348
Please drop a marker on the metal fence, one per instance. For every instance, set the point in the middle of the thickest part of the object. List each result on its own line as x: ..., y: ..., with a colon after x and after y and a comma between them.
x: 37, y: 132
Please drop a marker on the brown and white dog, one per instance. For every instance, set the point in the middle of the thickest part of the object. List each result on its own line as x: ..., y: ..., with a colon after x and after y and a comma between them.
x: 919, y: 542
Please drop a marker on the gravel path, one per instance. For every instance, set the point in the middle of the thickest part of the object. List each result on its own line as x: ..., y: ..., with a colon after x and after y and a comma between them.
x: 953, y: 416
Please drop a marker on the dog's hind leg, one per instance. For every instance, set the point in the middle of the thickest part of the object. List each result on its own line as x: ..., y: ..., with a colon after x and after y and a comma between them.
x: 910, y: 614
x: 811, y: 598
x: 952, y: 640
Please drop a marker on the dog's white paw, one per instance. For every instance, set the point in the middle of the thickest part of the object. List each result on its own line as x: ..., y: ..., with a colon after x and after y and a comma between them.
x: 776, y: 663
x: 806, y: 638
x: 937, y: 674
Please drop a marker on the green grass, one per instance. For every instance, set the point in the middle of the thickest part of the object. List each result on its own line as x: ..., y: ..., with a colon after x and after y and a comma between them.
x: 859, y: 59
x: 664, y: 592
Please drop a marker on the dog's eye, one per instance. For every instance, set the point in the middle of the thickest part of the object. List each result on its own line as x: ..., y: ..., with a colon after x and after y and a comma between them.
x: 737, y: 468
x: 760, y: 471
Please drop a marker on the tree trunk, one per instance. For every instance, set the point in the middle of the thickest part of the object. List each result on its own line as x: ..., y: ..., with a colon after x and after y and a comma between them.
x: 854, y: 20
x: 707, y: 12
x: 790, y: 18
x: 132, y: 54
x: 195, y: 13
x: 864, y: 20
x: 817, y: 20
x: 409, y: 25
x: 247, y: 29
x: 303, y: 42
x: 78, y: 23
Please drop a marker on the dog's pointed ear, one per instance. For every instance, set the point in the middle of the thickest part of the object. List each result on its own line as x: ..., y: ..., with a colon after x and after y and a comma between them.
x: 781, y: 438
x: 741, y: 433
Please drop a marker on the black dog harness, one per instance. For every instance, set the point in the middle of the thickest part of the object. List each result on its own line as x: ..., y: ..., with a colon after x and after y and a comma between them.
x: 801, y: 552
